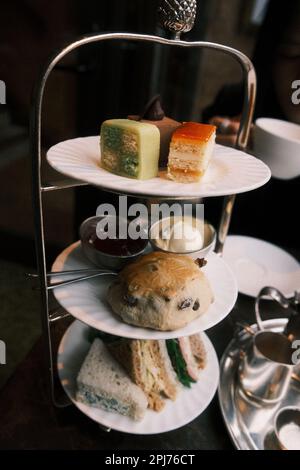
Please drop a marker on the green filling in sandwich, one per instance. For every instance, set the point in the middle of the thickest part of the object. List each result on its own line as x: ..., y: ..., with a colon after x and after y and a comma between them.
x: 178, y: 362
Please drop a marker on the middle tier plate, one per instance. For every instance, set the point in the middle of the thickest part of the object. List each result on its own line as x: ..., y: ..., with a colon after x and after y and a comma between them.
x: 231, y: 171
x: 86, y: 300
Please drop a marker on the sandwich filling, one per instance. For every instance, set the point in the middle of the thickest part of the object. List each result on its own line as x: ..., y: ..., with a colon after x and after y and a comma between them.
x: 149, y: 367
x: 188, y: 357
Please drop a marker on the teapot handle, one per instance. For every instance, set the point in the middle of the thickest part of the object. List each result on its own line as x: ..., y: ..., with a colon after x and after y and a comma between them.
x: 266, y: 293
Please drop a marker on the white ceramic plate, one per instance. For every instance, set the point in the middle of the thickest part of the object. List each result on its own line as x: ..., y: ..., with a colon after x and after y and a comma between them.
x: 189, y: 404
x: 231, y: 171
x: 86, y: 300
x: 257, y: 264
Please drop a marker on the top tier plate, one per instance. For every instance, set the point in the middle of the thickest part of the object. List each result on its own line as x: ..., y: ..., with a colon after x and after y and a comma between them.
x: 231, y: 171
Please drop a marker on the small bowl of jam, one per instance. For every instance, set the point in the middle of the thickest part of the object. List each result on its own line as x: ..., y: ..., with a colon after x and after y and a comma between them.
x: 106, y: 240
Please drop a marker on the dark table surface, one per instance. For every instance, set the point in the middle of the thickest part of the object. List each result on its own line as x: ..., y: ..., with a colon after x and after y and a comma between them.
x: 30, y: 421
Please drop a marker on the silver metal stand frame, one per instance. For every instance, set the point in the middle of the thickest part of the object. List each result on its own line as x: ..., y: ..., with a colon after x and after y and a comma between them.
x: 39, y: 188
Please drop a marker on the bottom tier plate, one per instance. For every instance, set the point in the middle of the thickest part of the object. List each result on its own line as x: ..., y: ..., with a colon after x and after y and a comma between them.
x: 250, y: 425
x: 189, y: 404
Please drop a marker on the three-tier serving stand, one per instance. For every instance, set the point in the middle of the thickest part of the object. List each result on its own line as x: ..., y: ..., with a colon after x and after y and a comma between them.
x: 176, y: 16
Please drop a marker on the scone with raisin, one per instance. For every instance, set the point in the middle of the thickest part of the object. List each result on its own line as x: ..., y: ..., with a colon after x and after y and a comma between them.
x: 163, y: 291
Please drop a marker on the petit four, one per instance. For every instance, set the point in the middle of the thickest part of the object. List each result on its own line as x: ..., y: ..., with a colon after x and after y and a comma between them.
x: 154, y: 114
x: 191, y: 149
x: 130, y: 148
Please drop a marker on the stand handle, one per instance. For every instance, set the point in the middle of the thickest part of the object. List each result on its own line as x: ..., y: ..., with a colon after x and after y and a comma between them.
x: 269, y: 293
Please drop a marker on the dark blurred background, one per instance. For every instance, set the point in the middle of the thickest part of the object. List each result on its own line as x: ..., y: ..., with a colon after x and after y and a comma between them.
x: 98, y: 82
x: 113, y: 80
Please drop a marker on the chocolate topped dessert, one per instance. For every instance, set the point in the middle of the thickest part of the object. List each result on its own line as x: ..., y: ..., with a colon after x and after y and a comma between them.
x: 154, y: 114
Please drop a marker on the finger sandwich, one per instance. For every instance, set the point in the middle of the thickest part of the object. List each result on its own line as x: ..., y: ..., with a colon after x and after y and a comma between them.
x: 103, y: 383
x: 149, y: 366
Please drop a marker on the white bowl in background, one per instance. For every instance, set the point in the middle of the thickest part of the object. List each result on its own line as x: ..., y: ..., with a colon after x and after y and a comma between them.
x: 277, y: 143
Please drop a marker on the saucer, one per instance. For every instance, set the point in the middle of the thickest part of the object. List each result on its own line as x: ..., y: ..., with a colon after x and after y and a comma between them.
x: 257, y: 264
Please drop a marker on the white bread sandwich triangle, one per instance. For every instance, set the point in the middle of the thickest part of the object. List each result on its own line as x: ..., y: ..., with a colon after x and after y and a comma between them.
x: 103, y: 383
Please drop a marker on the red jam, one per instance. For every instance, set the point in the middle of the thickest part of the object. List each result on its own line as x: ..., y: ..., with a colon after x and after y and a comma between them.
x: 117, y: 246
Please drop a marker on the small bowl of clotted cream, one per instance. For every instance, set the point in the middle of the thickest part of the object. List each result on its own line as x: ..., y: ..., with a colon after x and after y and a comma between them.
x: 185, y: 235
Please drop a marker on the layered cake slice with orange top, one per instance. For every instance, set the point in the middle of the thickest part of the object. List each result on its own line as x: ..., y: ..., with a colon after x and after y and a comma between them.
x: 191, y: 149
